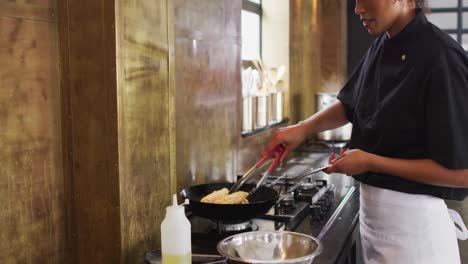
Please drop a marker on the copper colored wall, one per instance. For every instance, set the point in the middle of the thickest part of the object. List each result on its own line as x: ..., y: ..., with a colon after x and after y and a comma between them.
x: 207, y: 89
x: 32, y: 211
x: 333, y: 38
x: 89, y: 95
x: 317, y: 51
x: 305, y: 73
x: 145, y: 123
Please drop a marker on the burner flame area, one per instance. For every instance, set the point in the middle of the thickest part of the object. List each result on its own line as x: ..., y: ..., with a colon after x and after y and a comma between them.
x: 232, y: 226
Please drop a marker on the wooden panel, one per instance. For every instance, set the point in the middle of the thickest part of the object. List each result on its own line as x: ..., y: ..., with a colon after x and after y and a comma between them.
x: 305, y: 57
x: 144, y: 124
x: 43, y: 10
x: 67, y: 142
x: 333, y: 45
x: 318, y: 52
x: 32, y: 213
x: 90, y: 73
x: 207, y: 61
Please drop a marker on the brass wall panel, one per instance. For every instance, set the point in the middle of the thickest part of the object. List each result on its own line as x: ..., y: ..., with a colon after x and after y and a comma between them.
x: 333, y: 43
x: 88, y: 37
x: 43, y: 10
x: 207, y: 89
x: 305, y: 73
x: 144, y: 124
x: 318, y: 52
x: 32, y: 213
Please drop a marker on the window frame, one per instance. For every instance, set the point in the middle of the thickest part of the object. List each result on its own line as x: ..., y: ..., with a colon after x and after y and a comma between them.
x: 459, y: 10
x: 255, y: 8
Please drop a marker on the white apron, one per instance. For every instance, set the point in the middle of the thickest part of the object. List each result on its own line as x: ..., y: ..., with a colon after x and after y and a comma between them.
x: 401, y: 228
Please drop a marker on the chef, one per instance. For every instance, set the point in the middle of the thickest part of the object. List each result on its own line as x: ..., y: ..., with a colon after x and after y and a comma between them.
x: 408, y: 103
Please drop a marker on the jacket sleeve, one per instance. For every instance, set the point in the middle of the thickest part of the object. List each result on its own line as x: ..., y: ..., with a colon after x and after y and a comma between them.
x: 348, y: 95
x: 446, y: 109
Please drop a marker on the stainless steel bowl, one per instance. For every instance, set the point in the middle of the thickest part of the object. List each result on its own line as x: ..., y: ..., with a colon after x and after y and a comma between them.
x: 268, y: 247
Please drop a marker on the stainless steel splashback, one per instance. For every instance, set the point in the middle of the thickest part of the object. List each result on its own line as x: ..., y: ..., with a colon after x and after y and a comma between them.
x: 207, y: 90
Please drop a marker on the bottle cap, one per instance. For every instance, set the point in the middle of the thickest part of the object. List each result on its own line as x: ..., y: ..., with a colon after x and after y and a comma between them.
x: 175, y: 207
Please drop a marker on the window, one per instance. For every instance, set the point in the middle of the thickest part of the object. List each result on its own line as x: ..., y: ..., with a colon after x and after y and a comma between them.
x: 251, y: 19
x: 452, y: 17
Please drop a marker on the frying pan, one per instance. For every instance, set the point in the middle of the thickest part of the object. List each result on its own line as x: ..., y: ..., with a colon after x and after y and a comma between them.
x: 259, y: 202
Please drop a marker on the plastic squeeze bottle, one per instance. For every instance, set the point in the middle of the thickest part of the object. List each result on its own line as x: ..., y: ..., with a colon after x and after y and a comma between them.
x: 176, y: 240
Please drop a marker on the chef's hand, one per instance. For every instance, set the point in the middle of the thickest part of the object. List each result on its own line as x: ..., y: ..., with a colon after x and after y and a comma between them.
x: 351, y: 162
x: 290, y: 137
x: 332, y: 157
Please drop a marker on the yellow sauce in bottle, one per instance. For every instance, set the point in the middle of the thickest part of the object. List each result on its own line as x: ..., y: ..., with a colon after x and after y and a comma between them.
x: 177, y: 259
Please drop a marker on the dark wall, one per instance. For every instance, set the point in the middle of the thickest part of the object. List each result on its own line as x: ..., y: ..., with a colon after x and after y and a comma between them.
x: 358, y: 38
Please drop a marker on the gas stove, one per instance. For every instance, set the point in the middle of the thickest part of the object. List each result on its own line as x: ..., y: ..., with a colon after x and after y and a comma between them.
x: 322, y: 205
x: 306, y: 206
x: 297, y: 200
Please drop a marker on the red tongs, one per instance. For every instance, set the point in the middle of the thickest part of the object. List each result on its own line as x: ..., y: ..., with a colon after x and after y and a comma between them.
x: 276, y: 154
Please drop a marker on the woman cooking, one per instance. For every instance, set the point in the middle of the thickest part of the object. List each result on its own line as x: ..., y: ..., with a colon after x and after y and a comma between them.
x: 408, y: 103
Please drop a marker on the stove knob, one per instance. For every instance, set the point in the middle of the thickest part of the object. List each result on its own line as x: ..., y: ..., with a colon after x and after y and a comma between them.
x: 326, y: 200
x: 321, y: 204
x: 326, y: 204
x: 316, y: 211
x: 287, y: 202
x: 321, y: 183
x: 329, y: 201
x: 296, y: 195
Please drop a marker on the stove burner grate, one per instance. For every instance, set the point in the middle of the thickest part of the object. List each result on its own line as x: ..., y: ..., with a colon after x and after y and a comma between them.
x: 229, y: 226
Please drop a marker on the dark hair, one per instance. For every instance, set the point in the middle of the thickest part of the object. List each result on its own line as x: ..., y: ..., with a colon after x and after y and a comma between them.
x: 422, y: 4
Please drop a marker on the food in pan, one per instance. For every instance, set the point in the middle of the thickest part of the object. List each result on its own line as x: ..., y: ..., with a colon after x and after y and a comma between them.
x: 212, y: 197
x: 223, y: 197
x: 234, y: 198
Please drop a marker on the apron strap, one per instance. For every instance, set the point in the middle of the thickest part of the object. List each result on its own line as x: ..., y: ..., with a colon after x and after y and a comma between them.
x: 460, y: 228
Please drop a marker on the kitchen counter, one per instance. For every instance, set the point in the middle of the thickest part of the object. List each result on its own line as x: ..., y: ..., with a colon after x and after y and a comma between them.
x: 336, y: 240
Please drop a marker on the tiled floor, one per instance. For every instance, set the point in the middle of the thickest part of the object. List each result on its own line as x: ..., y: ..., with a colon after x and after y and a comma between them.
x: 462, y: 209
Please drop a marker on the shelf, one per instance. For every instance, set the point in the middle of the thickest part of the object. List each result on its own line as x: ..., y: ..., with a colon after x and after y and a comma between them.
x: 259, y: 130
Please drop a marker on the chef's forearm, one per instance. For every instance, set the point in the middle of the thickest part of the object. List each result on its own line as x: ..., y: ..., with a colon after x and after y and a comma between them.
x: 423, y: 171
x: 465, y: 178
x: 329, y: 118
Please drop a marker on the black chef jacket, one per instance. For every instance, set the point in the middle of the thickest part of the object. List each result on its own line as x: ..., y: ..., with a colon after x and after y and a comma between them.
x: 408, y: 99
